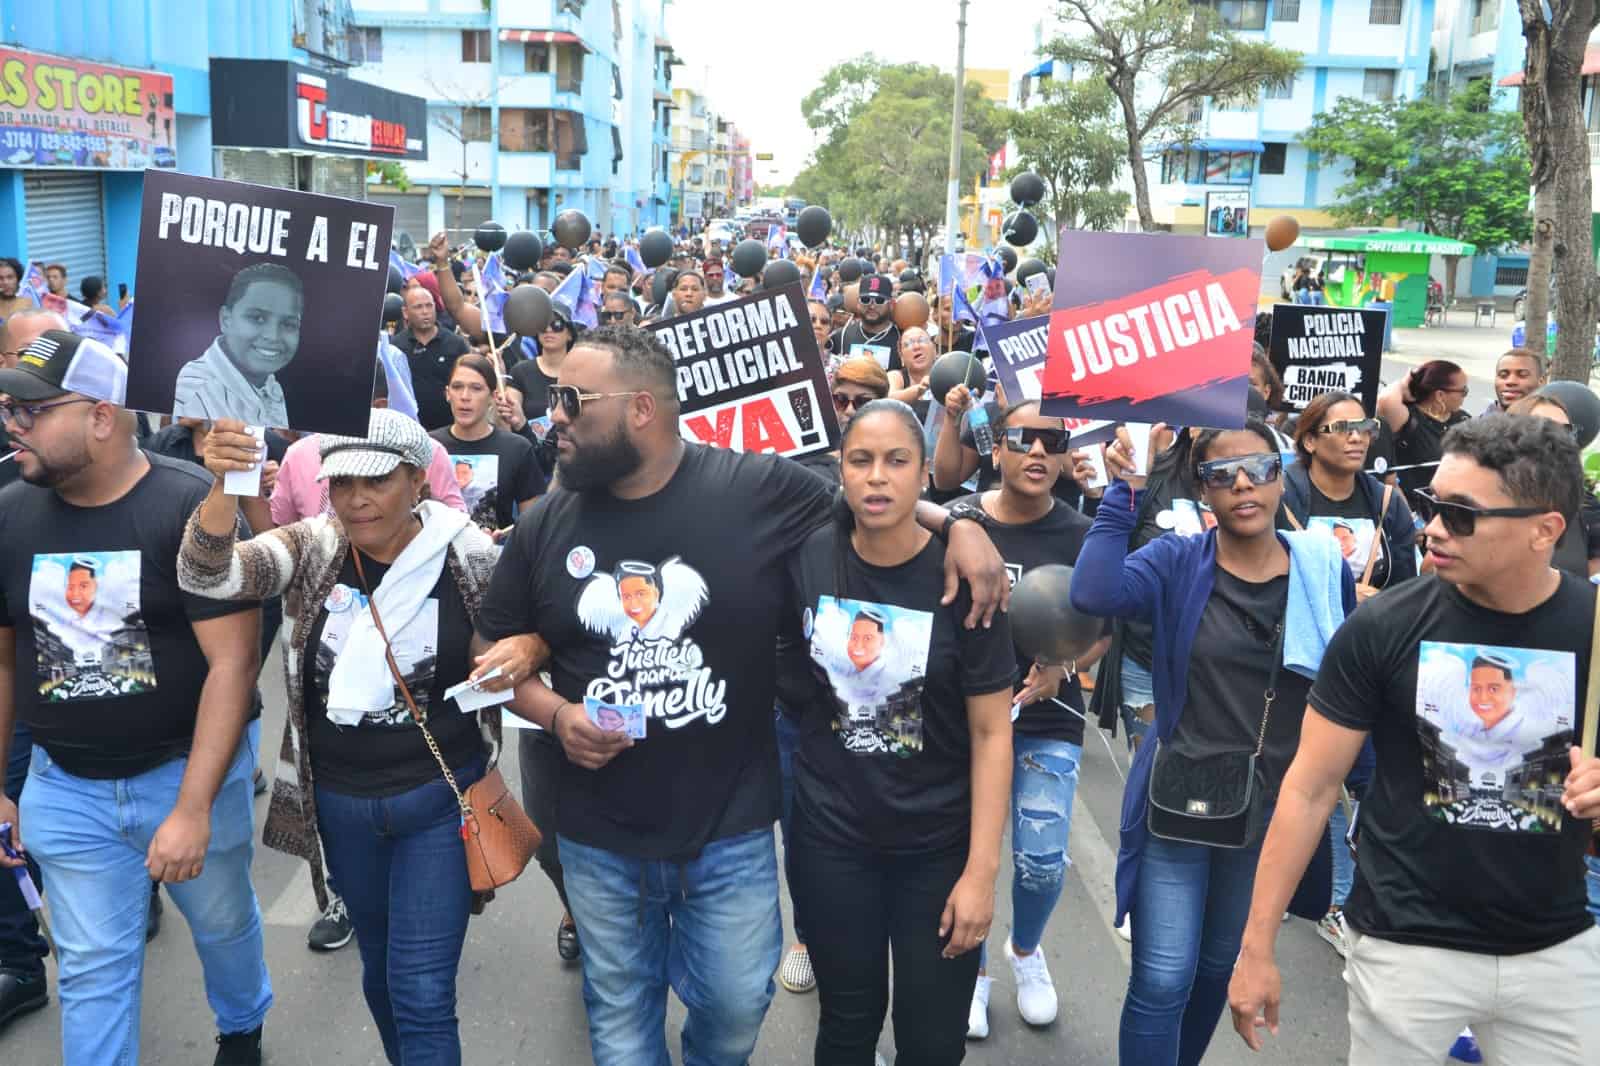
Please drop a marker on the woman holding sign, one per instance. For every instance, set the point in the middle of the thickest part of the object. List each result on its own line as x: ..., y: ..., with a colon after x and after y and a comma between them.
x: 366, y: 788
x: 903, y: 776
x: 1240, y: 616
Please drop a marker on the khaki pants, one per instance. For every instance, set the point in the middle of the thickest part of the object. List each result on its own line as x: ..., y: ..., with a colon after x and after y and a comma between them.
x: 1408, y: 1003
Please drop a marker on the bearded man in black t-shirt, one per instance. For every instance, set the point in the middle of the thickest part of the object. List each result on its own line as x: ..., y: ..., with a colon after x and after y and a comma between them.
x: 654, y: 572
x: 141, y: 762
x: 1468, y: 905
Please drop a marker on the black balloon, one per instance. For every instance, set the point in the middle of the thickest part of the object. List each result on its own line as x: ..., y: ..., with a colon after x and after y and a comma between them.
x: 778, y: 273
x: 952, y: 369
x: 572, y: 228
x: 1020, y: 229
x: 749, y: 256
x: 655, y: 248
x: 523, y: 250
x: 850, y: 271
x: 1027, y: 189
x: 490, y: 237
x: 1044, y: 624
x: 393, y: 304
x: 1583, y: 408
x: 1008, y: 256
x: 397, y: 280
x: 1028, y: 268
x: 661, y: 284
x: 527, y: 310
x: 814, y: 225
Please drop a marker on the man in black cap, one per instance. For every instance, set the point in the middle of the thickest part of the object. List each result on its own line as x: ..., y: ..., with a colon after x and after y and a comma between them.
x: 141, y: 762
x: 874, y: 332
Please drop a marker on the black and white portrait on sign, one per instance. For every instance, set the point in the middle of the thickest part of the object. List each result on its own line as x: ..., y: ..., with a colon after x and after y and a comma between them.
x: 257, y: 303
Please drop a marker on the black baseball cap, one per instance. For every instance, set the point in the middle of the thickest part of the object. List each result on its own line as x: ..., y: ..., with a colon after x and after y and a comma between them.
x: 59, y: 362
x: 877, y: 285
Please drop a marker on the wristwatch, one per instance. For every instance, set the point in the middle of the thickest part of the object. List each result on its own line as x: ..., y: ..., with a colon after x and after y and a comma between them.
x: 960, y: 512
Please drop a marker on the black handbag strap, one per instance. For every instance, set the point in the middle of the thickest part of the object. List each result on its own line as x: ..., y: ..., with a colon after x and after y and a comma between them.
x: 1271, y: 693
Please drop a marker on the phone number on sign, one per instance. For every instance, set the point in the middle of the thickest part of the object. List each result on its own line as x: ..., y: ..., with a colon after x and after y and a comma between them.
x: 53, y: 142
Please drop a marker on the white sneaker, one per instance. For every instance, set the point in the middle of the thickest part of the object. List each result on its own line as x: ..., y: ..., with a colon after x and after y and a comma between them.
x: 1125, y: 929
x: 1036, y: 993
x: 978, y: 1016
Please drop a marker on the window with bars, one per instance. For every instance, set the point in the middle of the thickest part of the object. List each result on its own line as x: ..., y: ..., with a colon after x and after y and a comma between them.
x: 1274, y: 156
x: 536, y: 58
x: 364, y: 44
x: 474, y: 46
x: 1485, y: 15
x: 1377, y: 85
x: 1239, y: 14
x: 1286, y: 11
x: 1511, y: 275
x: 1279, y: 90
x: 475, y: 125
x: 1385, y: 12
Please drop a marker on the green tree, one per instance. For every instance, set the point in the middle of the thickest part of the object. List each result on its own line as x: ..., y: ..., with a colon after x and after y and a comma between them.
x: 1073, y: 142
x: 884, y: 155
x: 1453, y: 165
x: 1161, y: 58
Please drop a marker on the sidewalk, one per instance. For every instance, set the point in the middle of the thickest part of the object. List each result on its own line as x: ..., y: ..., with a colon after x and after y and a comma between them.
x: 1473, y: 348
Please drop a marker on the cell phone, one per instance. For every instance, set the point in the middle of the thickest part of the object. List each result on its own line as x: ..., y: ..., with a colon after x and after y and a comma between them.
x: 122, y: 290
x: 1038, y: 283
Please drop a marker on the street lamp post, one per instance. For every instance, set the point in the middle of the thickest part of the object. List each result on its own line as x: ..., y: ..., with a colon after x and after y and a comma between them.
x: 952, y: 199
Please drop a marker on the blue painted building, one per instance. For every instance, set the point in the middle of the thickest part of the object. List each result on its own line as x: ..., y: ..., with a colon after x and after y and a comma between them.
x: 535, y: 106
x: 95, y: 91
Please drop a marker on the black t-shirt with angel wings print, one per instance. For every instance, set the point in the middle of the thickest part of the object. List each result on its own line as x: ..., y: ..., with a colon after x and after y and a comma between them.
x: 670, y: 604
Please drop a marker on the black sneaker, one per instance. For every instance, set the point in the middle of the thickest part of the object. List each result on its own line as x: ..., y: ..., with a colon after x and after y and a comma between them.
x: 567, y: 945
x: 19, y: 995
x: 333, y: 930
x: 152, y: 924
x: 239, y: 1049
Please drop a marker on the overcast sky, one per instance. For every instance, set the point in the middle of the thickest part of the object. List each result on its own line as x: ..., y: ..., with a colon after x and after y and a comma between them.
x: 757, y: 61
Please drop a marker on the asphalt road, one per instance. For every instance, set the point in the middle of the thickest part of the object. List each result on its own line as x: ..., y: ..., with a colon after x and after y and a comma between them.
x: 521, y: 1005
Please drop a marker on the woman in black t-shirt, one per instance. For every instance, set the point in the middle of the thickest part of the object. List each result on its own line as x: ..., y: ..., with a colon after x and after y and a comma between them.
x: 903, y: 776
x: 1032, y: 528
x: 364, y: 789
x: 496, y: 471
x: 1419, y: 409
x: 524, y: 407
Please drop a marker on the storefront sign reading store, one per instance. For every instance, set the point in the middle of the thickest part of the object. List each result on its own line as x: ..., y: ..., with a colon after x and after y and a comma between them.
x: 57, y: 112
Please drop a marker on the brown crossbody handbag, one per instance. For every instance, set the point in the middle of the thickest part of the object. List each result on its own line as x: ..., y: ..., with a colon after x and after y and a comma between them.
x: 499, y: 836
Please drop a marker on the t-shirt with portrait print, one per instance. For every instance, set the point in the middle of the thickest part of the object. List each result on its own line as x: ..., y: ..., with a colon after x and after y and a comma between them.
x: 108, y: 669
x: 386, y: 754
x: 494, y: 473
x: 1462, y: 842
x: 885, y: 757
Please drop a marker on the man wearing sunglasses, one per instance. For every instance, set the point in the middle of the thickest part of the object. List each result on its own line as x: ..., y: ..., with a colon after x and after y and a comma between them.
x: 874, y: 332
x: 715, y: 293
x: 618, y: 309
x: 1468, y: 906
x: 686, y: 811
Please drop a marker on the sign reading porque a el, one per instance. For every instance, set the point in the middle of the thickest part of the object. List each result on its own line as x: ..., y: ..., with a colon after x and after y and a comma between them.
x: 257, y: 303
x: 750, y: 375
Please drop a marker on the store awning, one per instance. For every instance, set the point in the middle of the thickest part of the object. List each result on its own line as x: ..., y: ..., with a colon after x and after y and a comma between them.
x: 1591, y: 65
x: 543, y: 37
x: 1398, y: 242
x: 1041, y: 70
x: 1219, y: 144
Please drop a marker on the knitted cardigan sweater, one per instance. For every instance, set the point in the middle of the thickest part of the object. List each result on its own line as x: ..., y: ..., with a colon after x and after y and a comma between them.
x: 301, y: 563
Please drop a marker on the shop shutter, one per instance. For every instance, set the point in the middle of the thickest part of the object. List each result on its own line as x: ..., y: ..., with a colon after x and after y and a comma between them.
x: 336, y: 176
x: 258, y: 168
x: 66, y: 224
x: 410, y: 215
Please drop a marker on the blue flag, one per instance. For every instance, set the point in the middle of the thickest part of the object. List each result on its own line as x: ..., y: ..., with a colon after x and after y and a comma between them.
x: 577, y: 292
x: 407, y: 270
x: 631, y: 254
x: 492, y: 294
x: 819, y: 287
x: 107, y: 329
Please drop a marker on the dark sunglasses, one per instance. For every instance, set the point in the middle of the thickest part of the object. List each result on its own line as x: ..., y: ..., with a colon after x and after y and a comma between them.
x: 872, y: 299
x: 1261, y: 469
x: 570, y: 399
x: 1364, y: 426
x: 613, y: 316
x: 843, y: 402
x: 1461, y: 519
x: 1021, y: 438
x: 558, y: 325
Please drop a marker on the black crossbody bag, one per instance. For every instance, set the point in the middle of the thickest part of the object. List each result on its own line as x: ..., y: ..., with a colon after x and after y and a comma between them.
x: 1219, y: 800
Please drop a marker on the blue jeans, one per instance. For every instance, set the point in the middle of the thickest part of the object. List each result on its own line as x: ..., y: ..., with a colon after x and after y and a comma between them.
x: 788, y: 731
x: 1594, y: 886
x: 1344, y: 863
x: 402, y: 872
x: 1138, y: 690
x: 1043, y: 782
x: 90, y: 837
x: 22, y: 949
x: 709, y: 927
x: 1189, y: 909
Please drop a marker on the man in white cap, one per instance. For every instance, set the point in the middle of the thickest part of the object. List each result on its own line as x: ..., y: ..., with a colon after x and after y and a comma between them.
x: 138, y: 769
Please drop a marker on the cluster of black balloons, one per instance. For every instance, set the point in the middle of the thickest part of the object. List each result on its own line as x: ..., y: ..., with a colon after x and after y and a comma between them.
x: 1020, y: 227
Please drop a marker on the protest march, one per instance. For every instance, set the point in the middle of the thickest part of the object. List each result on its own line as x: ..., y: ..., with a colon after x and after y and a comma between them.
x: 721, y: 622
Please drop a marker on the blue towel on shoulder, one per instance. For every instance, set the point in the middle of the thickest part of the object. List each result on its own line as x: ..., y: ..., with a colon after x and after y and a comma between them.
x: 1317, y: 575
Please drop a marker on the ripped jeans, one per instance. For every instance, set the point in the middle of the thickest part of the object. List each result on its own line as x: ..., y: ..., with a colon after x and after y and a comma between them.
x: 1042, y: 786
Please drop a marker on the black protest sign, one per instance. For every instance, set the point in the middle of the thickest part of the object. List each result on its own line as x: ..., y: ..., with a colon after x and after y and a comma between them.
x: 257, y: 303
x: 1327, y: 349
x: 750, y: 376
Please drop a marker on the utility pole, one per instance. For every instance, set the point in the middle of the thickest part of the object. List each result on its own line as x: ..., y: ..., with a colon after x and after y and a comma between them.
x: 952, y: 196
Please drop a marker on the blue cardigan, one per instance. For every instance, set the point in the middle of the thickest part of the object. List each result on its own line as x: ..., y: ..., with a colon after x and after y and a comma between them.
x: 1167, y: 583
